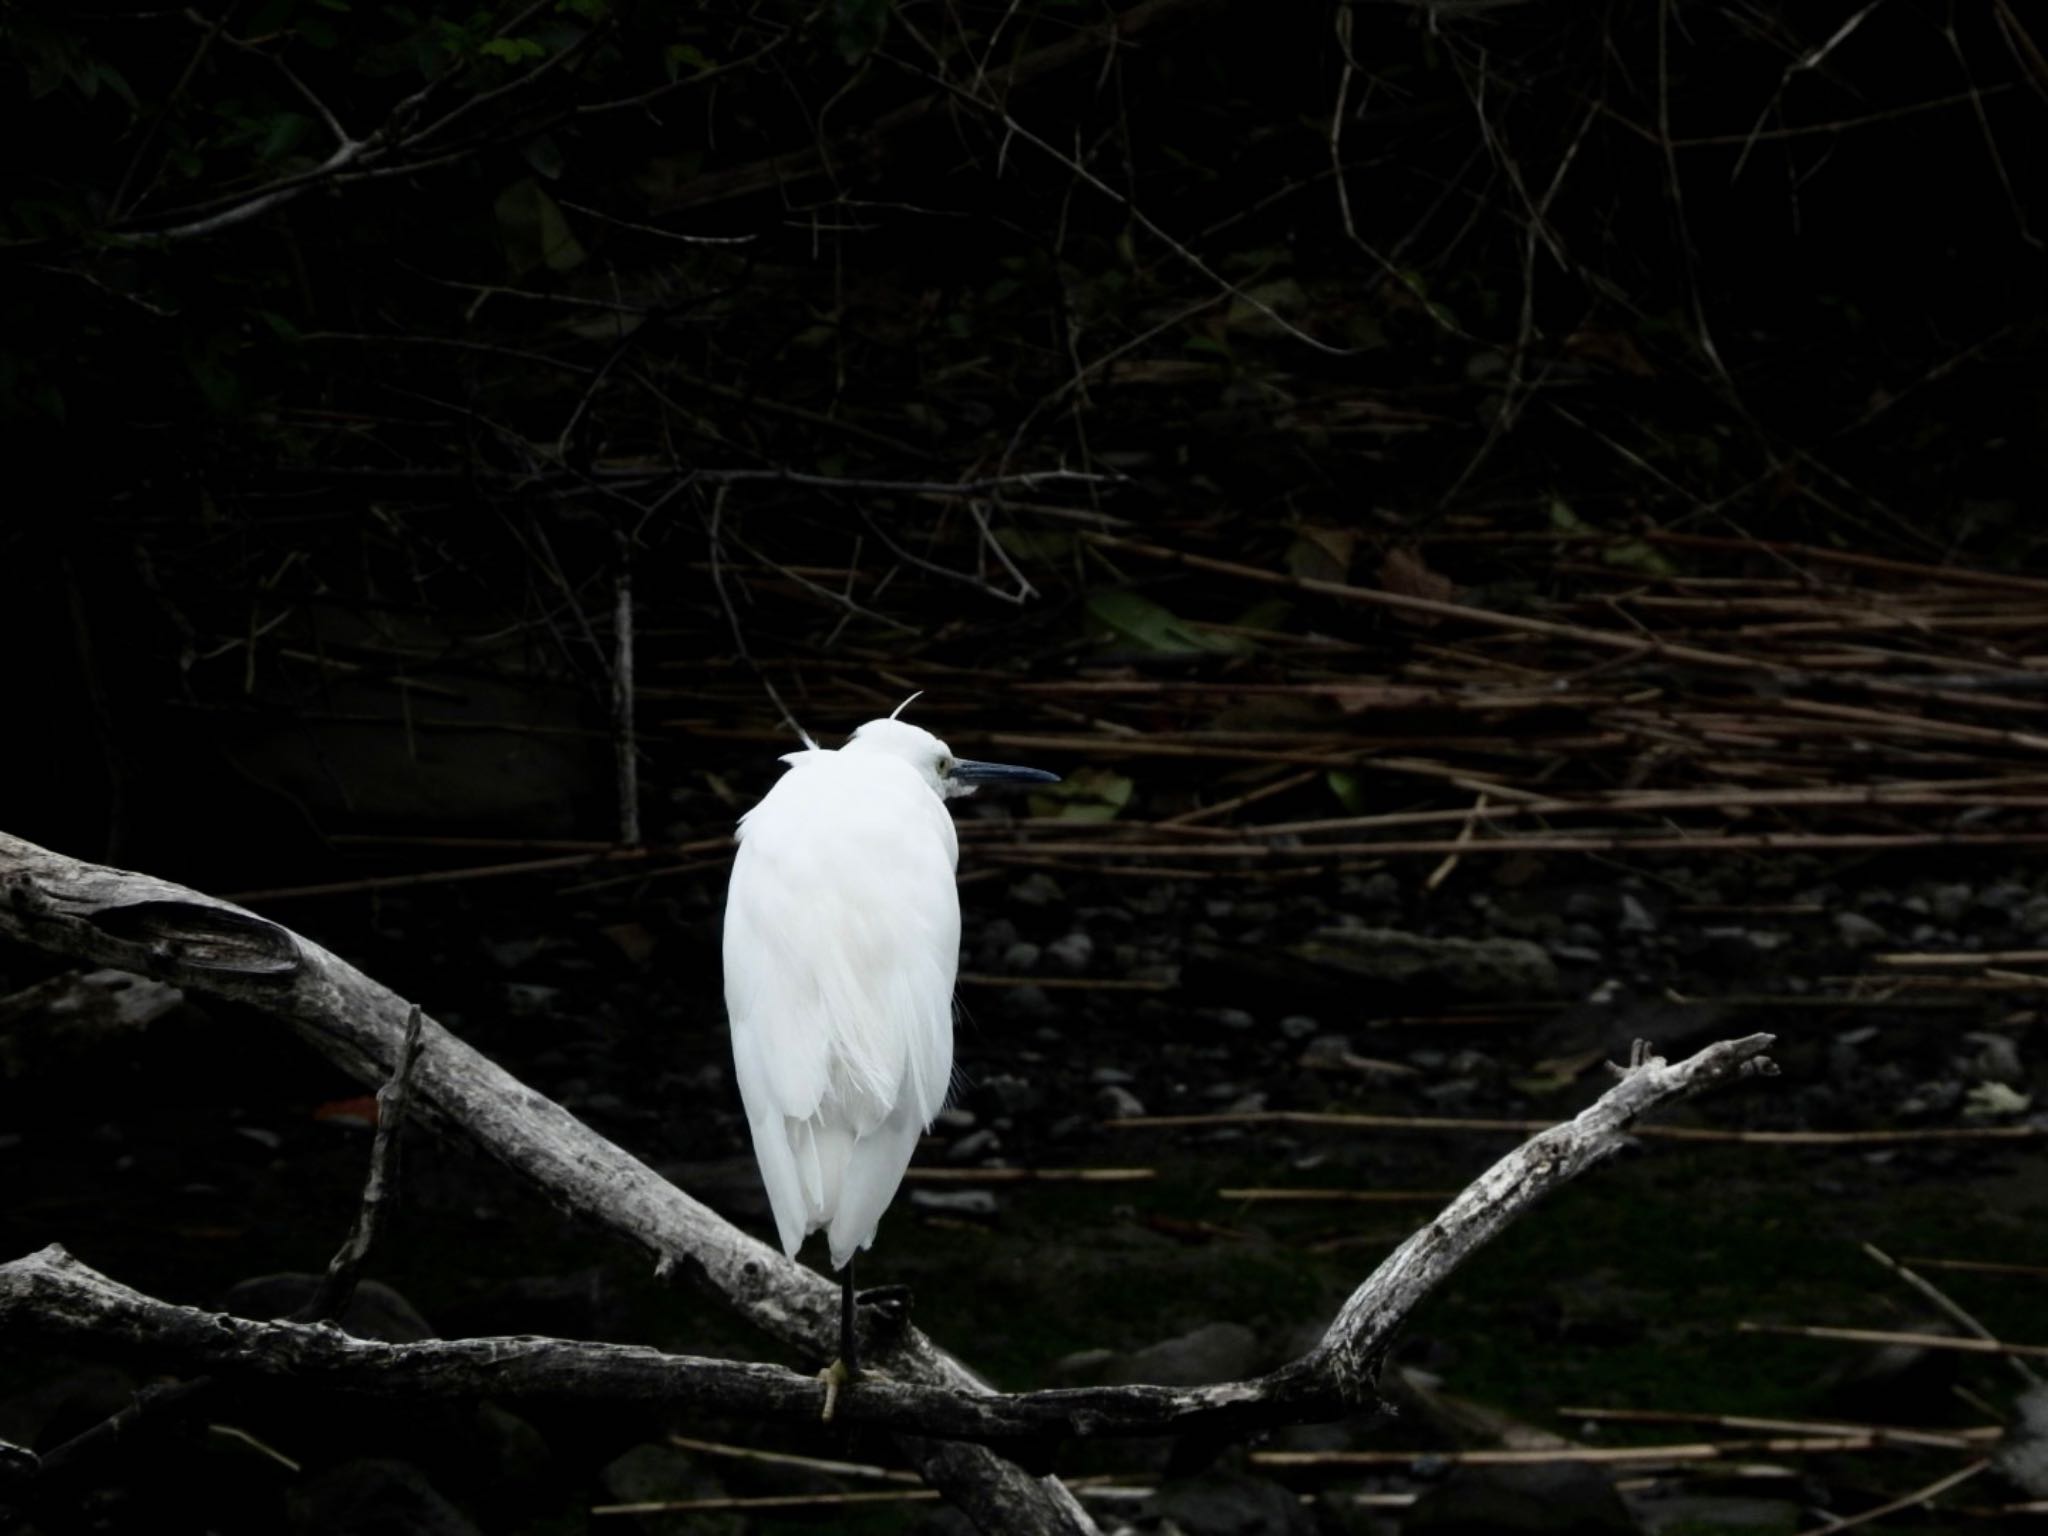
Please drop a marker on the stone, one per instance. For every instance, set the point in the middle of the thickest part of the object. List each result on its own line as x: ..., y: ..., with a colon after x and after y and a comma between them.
x: 2022, y: 1457
x: 954, y: 1202
x: 1071, y: 952
x: 1553, y: 1499
x: 1116, y: 1102
x: 1038, y: 889
x: 2032, y: 917
x: 374, y: 1497
x: 1212, y: 1353
x: 1949, y: 903
x: 1635, y: 917
x: 1006, y: 1094
x: 1858, y: 931
x: 1022, y: 957
x: 1492, y: 968
x: 67, y: 1403
x: 1084, y: 1367
x: 650, y: 1473
x: 1378, y: 889
x: 975, y: 1144
x: 1222, y: 1504
x: 376, y: 1311
x: 1997, y: 1059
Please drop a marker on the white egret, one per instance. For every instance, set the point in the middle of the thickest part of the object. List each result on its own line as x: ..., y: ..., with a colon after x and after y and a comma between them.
x: 842, y: 939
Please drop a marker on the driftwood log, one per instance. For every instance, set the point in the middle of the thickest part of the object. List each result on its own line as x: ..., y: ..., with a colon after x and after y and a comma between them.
x: 950, y: 1424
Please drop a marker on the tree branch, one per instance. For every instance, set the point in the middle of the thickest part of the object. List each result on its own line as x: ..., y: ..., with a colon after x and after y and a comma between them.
x: 54, y: 1295
x: 117, y: 918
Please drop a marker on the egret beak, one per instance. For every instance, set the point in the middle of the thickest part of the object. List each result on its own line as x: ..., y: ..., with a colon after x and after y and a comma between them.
x: 967, y: 771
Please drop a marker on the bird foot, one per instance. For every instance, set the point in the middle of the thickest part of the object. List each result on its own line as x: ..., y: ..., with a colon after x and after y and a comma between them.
x: 835, y: 1376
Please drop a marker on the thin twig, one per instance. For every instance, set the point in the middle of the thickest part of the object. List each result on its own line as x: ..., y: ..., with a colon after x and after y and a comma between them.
x: 337, y: 1286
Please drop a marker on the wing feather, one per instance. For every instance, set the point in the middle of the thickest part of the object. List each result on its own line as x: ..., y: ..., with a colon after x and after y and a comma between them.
x: 842, y: 938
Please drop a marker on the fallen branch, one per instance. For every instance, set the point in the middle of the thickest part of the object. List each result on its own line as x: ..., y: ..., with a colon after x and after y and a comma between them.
x: 124, y: 919
x: 52, y: 1295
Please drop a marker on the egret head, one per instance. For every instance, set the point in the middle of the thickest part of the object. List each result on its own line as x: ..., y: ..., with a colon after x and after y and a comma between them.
x: 948, y: 776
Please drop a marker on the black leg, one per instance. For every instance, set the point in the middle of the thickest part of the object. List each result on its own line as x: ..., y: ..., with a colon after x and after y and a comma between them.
x: 846, y: 1340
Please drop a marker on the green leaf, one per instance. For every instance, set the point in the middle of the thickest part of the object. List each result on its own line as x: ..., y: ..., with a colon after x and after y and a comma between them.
x: 1349, y: 792
x: 1141, y: 622
x: 1636, y: 555
x: 544, y: 154
x: 513, y: 49
x: 1087, y: 794
x: 682, y: 56
x: 859, y: 26
x: 283, y: 135
x: 1322, y: 554
x: 534, y: 229
x: 1563, y: 518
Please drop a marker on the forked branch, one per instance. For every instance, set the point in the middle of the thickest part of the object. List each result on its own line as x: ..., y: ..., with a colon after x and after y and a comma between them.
x: 111, y: 917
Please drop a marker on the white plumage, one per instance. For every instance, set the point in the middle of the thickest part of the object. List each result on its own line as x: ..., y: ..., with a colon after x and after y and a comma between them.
x: 842, y: 939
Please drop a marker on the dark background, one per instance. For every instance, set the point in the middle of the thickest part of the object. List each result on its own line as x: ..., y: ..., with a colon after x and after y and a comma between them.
x: 326, y: 478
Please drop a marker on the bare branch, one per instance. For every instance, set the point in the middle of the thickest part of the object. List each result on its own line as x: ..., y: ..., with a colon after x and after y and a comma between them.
x: 53, y: 1295
x: 338, y: 1286
x: 139, y: 923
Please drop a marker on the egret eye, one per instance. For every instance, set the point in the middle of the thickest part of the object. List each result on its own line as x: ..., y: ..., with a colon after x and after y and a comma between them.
x: 945, y: 767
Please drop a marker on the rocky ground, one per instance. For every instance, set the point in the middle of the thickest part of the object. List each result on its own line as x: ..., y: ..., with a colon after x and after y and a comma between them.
x: 196, y: 1154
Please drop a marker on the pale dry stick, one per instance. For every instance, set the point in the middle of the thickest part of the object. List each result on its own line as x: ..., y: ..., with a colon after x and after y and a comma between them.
x: 1334, y: 1196
x: 1616, y: 843
x: 1092, y: 1487
x: 1596, y: 1455
x: 626, y: 745
x: 791, y: 1459
x: 1036, y: 1176
x: 1946, y: 1440
x: 1349, y: 1122
x: 1279, y: 786
x: 1816, y: 553
x: 1983, y: 1267
x: 1951, y: 1308
x: 1716, y: 661
x: 1962, y: 794
x: 1442, y: 872
x: 768, y: 1501
x: 1946, y: 730
x: 1066, y: 983
x: 1916, y: 960
x: 337, y: 1286
x: 612, y: 855
x: 1883, y: 1336
x: 1939, y: 1486
x: 1989, y: 981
